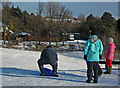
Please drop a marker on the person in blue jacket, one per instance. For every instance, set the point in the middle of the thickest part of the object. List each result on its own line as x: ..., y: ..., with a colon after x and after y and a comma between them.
x: 92, y: 52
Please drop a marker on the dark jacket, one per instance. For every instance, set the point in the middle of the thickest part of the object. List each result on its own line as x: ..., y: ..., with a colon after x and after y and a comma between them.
x: 48, y: 56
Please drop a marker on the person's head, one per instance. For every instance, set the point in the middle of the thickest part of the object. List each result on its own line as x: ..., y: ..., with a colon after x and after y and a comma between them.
x: 110, y: 40
x: 92, y: 30
x: 49, y: 46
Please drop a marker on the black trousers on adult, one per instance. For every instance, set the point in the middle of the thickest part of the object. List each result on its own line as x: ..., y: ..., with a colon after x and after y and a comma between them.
x: 41, y: 63
x: 92, y: 66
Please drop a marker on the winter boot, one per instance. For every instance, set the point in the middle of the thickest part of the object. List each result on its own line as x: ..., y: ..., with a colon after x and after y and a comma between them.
x: 88, y: 81
x: 107, y: 70
x: 42, y: 71
x: 42, y: 74
x: 55, y: 70
x: 55, y: 74
x: 110, y: 69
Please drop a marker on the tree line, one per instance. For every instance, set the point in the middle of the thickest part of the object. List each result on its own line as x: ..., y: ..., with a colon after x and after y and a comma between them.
x: 53, y: 19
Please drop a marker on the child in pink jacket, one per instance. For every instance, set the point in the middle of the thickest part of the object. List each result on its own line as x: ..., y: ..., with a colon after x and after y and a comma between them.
x: 109, y: 55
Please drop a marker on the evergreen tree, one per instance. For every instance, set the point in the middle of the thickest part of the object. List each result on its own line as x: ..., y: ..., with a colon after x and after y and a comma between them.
x: 16, y: 12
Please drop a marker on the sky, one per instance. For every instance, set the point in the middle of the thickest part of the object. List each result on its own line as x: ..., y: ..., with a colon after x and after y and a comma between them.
x: 86, y: 8
x: 64, y: 0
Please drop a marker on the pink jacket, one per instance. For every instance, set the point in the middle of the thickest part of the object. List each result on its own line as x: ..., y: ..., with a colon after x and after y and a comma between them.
x: 109, y: 52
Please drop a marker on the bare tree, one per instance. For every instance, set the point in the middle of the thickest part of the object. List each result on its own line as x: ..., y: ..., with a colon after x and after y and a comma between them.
x: 56, y: 14
x: 40, y: 8
x: 39, y: 15
x: 81, y: 17
x: 4, y: 4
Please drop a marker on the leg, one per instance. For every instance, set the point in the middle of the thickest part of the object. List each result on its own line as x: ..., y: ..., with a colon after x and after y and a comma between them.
x: 99, y: 70
x: 107, y: 66
x: 95, y: 68
x: 110, y: 66
x: 41, y: 68
x: 87, y: 66
x: 89, y: 71
x: 54, y: 66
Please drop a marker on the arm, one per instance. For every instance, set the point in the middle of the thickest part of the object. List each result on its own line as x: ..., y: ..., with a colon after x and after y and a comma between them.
x: 106, y: 52
x: 86, y: 47
x: 101, y: 48
x: 112, y: 48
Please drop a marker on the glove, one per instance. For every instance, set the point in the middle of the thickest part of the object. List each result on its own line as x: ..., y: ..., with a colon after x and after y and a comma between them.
x: 100, y: 56
x: 85, y: 57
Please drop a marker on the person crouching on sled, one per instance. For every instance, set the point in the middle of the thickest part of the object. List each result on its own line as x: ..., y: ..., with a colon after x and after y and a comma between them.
x: 48, y: 56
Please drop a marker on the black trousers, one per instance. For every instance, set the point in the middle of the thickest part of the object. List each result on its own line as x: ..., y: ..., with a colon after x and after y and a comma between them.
x: 41, y: 63
x: 92, y: 66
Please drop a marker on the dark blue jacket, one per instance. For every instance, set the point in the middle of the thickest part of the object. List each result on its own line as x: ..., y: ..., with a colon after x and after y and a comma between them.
x: 48, y: 56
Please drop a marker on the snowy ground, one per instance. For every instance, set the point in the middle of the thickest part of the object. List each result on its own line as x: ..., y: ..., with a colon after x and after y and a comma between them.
x: 19, y: 68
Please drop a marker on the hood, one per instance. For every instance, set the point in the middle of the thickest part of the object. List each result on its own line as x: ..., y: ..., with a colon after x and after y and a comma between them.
x: 93, y: 38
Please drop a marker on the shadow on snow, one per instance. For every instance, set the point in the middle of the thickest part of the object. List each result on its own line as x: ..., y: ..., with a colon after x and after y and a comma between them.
x: 17, y: 72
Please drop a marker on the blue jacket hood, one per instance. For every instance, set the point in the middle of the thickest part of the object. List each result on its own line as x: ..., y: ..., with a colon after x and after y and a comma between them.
x: 93, y: 38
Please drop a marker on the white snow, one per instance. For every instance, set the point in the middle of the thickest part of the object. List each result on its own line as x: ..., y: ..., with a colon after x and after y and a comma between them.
x: 68, y: 45
x: 19, y: 68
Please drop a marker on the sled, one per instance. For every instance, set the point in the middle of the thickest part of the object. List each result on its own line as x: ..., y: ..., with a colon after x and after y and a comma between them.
x: 48, y: 72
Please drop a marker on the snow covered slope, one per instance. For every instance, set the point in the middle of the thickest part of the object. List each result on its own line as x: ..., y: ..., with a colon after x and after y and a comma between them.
x: 19, y: 68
